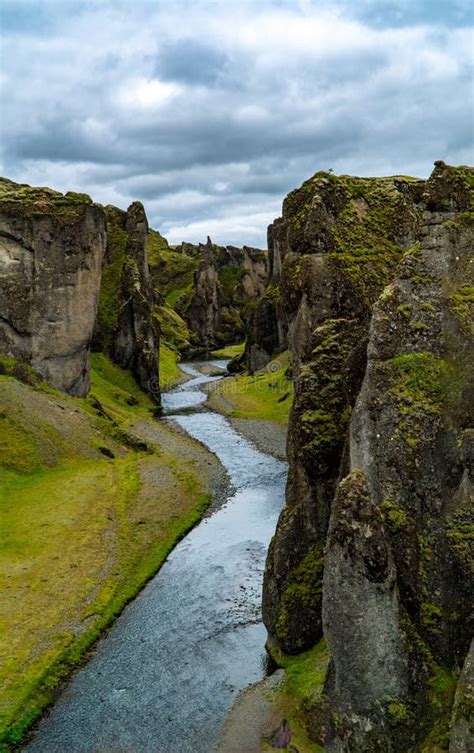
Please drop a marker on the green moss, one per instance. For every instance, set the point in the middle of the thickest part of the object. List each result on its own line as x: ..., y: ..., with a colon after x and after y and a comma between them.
x: 299, y: 697
x: 173, y: 273
x: 110, y: 286
x: 430, y: 614
x: 231, y: 326
x: 322, y: 394
x: 18, y: 450
x: 397, y: 712
x: 442, y: 687
x: 395, y: 515
x: 301, y: 600
x: 460, y: 532
x: 156, y: 244
x: 405, y: 310
x: 462, y: 305
x: 173, y: 329
x: 31, y: 200
x: 81, y: 198
x: 421, y: 384
x: 229, y: 280
x: 19, y: 369
x: 306, y: 672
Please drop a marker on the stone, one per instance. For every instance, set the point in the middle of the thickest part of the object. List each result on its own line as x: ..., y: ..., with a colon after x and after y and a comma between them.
x: 371, y: 285
x: 51, y: 250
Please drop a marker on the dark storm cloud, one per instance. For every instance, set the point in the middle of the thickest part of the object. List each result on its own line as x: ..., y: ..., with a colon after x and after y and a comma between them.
x: 210, y: 112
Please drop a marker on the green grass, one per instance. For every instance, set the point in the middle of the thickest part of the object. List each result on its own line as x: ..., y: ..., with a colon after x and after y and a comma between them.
x: 301, y: 691
x: 170, y: 374
x: 230, y: 351
x: 82, y: 533
x: 117, y: 391
x: 266, y: 395
x: 174, y: 330
x: 155, y: 245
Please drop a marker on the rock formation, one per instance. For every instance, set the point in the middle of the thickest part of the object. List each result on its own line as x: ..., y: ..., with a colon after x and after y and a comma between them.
x: 213, y: 288
x: 371, y: 288
x: 126, y: 326
x: 51, y: 249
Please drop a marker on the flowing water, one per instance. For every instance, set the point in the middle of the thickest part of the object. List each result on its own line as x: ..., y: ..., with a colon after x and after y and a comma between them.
x: 163, y: 678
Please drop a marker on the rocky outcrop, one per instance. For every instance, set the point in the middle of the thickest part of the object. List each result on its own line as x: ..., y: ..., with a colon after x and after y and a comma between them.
x: 333, y: 250
x: 127, y: 328
x: 51, y: 249
x: 372, y: 283
x: 213, y: 288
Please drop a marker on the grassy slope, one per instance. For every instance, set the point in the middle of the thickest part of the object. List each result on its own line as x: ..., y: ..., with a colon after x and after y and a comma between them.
x: 230, y: 351
x: 81, y: 532
x: 170, y: 374
x: 301, y: 689
x: 266, y: 395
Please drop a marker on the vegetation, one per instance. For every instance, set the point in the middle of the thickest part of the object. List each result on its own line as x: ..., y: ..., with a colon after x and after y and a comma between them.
x: 170, y: 374
x: 301, y: 691
x: 303, y: 596
x: 36, y: 200
x: 83, y: 526
x: 422, y: 385
x: 231, y: 351
x: 109, y: 294
x: 174, y: 330
x: 266, y: 395
x: 442, y: 688
x: 173, y: 272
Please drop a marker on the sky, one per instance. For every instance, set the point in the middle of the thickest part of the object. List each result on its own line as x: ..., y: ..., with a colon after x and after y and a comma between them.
x: 209, y: 112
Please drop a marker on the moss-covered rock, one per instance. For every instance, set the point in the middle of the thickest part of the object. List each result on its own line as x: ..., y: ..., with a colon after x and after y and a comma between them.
x: 370, y: 284
x: 213, y: 289
x: 127, y: 327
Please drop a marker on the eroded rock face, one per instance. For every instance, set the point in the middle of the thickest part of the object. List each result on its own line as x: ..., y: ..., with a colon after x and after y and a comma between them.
x: 333, y: 250
x: 51, y: 250
x: 126, y: 326
x: 410, y: 440
x: 374, y: 545
x: 227, y: 282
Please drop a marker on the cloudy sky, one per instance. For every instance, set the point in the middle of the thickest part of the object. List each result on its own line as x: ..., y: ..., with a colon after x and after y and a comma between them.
x: 211, y: 111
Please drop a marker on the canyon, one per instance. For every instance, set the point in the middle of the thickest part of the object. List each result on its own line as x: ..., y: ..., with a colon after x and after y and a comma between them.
x: 360, y: 317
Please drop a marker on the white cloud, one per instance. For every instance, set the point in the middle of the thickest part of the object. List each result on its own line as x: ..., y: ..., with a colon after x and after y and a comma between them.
x: 191, y: 107
x: 146, y: 93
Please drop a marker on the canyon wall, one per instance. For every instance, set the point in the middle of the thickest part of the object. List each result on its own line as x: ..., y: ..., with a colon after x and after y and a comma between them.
x: 213, y: 288
x: 127, y: 328
x: 51, y: 250
x: 371, y: 289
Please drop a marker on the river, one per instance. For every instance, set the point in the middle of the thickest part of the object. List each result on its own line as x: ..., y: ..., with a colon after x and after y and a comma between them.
x: 163, y: 678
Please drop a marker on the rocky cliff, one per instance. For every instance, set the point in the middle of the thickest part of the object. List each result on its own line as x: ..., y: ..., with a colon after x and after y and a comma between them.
x: 126, y: 327
x: 371, y: 288
x: 51, y: 249
x: 213, y: 288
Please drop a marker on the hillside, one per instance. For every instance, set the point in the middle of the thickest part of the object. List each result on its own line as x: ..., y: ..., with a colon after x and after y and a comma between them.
x: 86, y: 517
